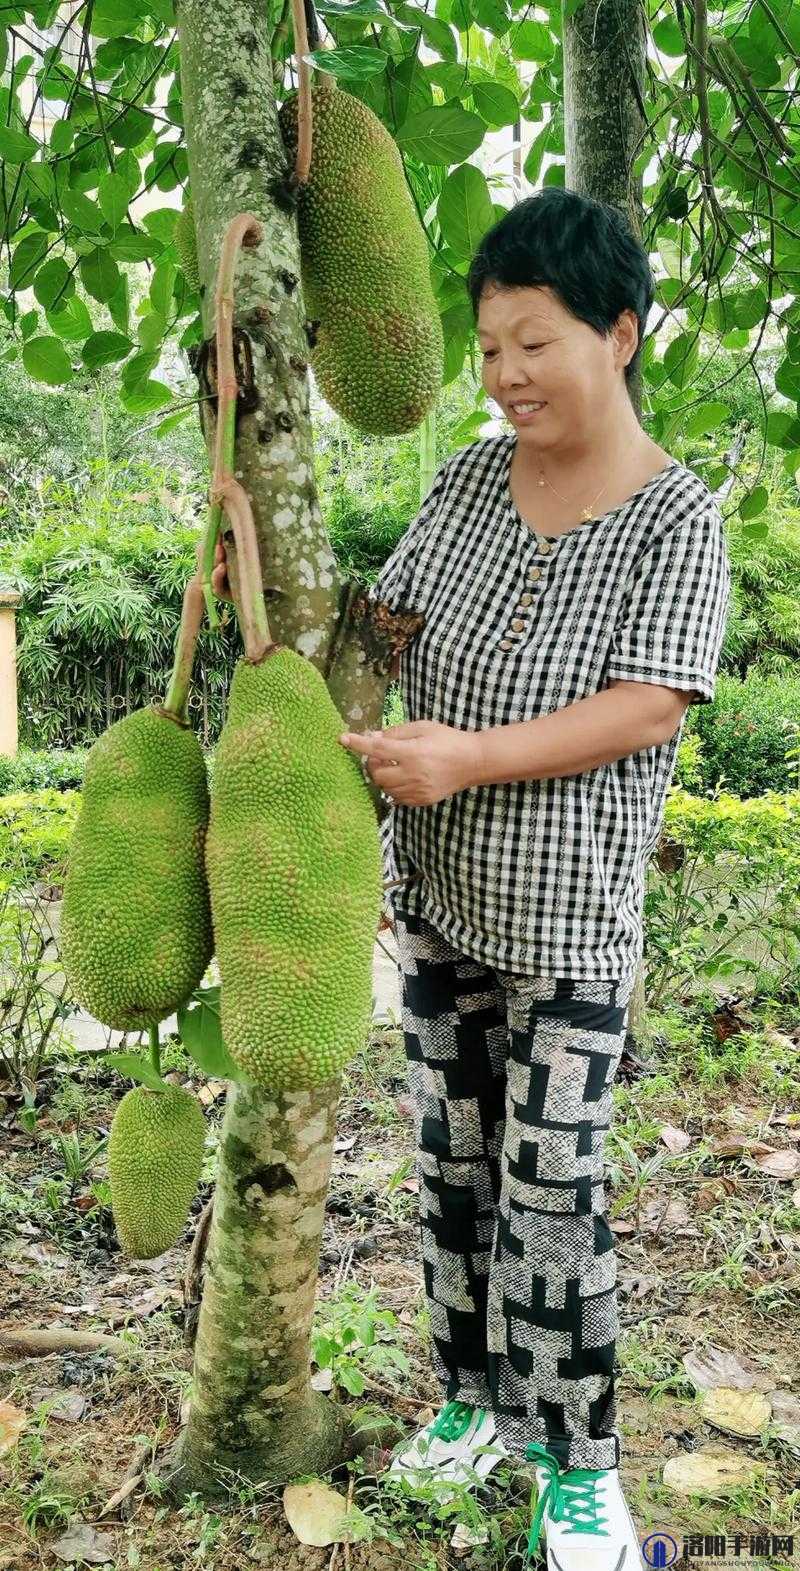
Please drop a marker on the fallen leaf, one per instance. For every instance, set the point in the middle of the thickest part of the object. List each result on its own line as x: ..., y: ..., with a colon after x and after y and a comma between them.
x: 411, y: 1184
x: 778, y: 1164
x: 322, y: 1379
x: 621, y: 1227
x: 796, y: 1197
x: 735, y: 1145
x: 786, y: 1419
x: 661, y: 1215
x: 713, y: 1471
x: 344, y: 1142
x: 12, y: 1423
x: 713, y: 1368
x: 83, y: 1546
x: 318, y: 1515
x: 674, y: 1139
x: 64, y: 1406
x: 791, y: 1119
x: 465, y: 1537
x: 405, y: 1106
x: 737, y: 1412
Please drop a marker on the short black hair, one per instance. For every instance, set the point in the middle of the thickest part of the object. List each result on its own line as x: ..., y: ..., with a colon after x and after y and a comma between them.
x: 585, y: 250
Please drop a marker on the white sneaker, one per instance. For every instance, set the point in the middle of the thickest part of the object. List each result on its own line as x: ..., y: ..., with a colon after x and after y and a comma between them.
x: 450, y: 1447
x: 586, y: 1522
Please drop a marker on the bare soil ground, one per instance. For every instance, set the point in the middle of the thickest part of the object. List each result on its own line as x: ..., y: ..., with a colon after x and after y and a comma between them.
x: 709, y: 1256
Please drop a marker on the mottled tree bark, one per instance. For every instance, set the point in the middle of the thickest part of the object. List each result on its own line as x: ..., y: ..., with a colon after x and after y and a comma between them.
x: 605, y: 49
x: 252, y: 1407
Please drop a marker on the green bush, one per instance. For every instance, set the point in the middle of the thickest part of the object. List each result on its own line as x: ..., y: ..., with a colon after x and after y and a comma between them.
x: 60, y: 769
x: 746, y: 734
x: 35, y: 831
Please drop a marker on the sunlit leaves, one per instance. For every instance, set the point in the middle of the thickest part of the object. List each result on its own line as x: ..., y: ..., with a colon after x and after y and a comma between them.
x: 47, y: 360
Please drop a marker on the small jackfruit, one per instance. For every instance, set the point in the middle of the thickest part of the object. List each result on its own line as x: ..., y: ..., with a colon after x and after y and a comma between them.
x: 379, y: 354
x: 136, y: 932
x: 155, y: 1157
x: 295, y: 871
x: 186, y: 244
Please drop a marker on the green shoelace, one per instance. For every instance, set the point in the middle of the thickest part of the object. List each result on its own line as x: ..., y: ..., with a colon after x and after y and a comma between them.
x: 454, y: 1419
x: 570, y: 1496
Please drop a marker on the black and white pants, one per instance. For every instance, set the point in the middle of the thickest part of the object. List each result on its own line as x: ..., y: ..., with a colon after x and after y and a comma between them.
x: 510, y: 1078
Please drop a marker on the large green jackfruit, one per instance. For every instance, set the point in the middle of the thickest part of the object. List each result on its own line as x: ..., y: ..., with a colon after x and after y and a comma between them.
x: 294, y: 868
x: 155, y: 1157
x: 136, y: 932
x: 186, y: 244
x: 379, y: 353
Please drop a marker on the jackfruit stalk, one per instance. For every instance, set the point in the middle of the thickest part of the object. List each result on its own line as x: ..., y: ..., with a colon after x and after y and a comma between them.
x: 379, y: 352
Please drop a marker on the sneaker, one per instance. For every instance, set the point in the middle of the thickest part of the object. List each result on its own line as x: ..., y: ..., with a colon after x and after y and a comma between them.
x: 586, y: 1522
x: 449, y: 1446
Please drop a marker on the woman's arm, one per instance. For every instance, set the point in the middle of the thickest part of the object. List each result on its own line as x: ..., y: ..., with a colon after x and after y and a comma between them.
x: 423, y: 762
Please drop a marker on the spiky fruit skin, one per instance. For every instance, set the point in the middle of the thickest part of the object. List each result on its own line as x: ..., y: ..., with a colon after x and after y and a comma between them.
x: 155, y: 1157
x: 136, y: 932
x: 186, y: 244
x: 379, y: 354
x: 294, y: 868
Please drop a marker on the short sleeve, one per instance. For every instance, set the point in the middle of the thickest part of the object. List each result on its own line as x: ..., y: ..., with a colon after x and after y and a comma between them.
x: 394, y: 581
x: 673, y: 619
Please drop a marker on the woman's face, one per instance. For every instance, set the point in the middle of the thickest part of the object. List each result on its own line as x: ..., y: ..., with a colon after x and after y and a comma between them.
x: 535, y: 351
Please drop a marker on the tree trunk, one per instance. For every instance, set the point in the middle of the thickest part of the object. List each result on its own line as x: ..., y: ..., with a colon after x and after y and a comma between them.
x: 605, y: 50
x: 252, y: 1405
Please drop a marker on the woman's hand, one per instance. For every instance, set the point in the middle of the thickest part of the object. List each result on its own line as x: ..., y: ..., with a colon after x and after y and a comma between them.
x: 418, y: 764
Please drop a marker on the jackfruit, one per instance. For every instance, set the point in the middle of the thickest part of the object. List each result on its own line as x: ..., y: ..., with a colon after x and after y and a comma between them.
x: 155, y: 1157
x: 379, y: 353
x: 136, y: 932
x: 295, y: 872
x: 186, y: 245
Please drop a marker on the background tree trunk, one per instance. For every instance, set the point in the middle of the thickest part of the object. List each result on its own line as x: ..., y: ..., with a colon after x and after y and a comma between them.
x: 605, y: 49
x: 252, y: 1406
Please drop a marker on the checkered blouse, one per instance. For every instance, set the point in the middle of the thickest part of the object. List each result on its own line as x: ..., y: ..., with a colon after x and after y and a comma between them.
x: 547, y: 875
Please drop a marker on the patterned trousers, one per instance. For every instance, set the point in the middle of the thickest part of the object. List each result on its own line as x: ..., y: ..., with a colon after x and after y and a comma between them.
x: 510, y: 1079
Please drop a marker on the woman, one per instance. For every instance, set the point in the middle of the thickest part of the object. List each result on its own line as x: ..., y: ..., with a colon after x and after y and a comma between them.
x: 575, y: 584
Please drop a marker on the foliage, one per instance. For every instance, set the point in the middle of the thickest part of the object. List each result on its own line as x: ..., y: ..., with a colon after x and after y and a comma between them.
x: 55, y: 769
x: 746, y: 734
x: 35, y: 831
x: 717, y: 153
x: 351, y: 1337
x: 727, y: 876
x: 33, y: 999
x: 764, y: 620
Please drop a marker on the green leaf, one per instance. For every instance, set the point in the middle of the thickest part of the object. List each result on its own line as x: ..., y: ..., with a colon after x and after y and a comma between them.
x: 104, y: 348
x: 151, y: 330
x: 532, y: 41
x: 61, y: 134
x: 146, y: 397
x: 437, y: 34
x: 73, y: 322
x: 493, y: 15
x: 704, y: 419
x: 495, y: 104
x: 135, y: 1067
x: 28, y: 323
x: 754, y: 502
x: 81, y: 212
x: 54, y: 281
x: 138, y: 368
x: 119, y: 306
x: 680, y: 359
x: 668, y: 38
x: 114, y: 18
x: 46, y: 360
x: 16, y: 147
x: 444, y: 135
x: 99, y: 274
x: 758, y: 530
x: 201, y: 1034
x: 457, y: 327
x: 787, y: 380
x: 112, y: 196
x: 356, y: 62
x: 26, y: 258
x: 783, y: 429
x: 131, y: 129
x: 130, y: 246
x: 750, y: 307
x: 170, y: 422
x: 465, y: 209
x: 161, y: 287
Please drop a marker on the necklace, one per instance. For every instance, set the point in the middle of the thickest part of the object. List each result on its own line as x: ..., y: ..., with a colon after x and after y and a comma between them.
x: 586, y: 514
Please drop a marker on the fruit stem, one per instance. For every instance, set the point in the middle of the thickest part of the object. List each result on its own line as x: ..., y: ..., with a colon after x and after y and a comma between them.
x: 245, y: 229
x: 177, y: 699
x: 155, y: 1048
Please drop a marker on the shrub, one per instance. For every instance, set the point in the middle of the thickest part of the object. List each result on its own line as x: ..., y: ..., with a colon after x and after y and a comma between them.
x: 35, y: 831
x: 746, y: 733
x: 60, y: 769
